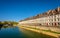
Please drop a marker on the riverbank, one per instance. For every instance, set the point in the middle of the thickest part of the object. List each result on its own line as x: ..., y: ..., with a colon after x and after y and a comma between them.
x: 41, y: 31
x: 32, y: 34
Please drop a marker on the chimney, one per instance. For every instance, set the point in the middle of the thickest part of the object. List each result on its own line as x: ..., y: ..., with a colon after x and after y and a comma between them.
x: 49, y: 11
x: 58, y: 9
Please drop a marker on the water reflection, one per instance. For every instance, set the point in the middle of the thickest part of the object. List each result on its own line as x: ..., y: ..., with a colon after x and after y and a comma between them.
x: 31, y: 34
x: 1, y: 25
x: 12, y: 32
x: 5, y: 26
x: 15, y: 32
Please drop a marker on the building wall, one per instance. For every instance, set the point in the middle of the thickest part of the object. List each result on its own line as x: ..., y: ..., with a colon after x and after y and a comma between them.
x: 53, y: 20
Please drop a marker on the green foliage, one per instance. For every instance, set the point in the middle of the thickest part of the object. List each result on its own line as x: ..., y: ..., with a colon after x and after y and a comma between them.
x: 9, y: 22
x: 1, y: 22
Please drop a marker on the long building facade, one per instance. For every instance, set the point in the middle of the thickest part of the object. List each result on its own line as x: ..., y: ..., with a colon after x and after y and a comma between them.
x: 50, y: 18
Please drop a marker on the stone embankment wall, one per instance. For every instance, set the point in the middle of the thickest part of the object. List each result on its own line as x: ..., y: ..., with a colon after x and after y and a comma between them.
x: 55, y: 29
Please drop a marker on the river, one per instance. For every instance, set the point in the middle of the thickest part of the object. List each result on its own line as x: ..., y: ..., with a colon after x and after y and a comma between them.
x: 15, y: 32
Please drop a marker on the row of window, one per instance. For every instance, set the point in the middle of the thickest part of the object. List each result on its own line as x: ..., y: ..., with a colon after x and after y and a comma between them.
x: 45, y: 19
x: 51, y: 24
x: 55, y: 24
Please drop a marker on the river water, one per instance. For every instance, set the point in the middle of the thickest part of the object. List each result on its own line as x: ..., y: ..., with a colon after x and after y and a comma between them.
x: 15, y: 32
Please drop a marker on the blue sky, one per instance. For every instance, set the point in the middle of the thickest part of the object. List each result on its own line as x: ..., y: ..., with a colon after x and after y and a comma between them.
x: 16, y: 10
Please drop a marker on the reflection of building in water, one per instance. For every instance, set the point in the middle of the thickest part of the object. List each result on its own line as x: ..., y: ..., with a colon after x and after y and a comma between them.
x: 50, y: 18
